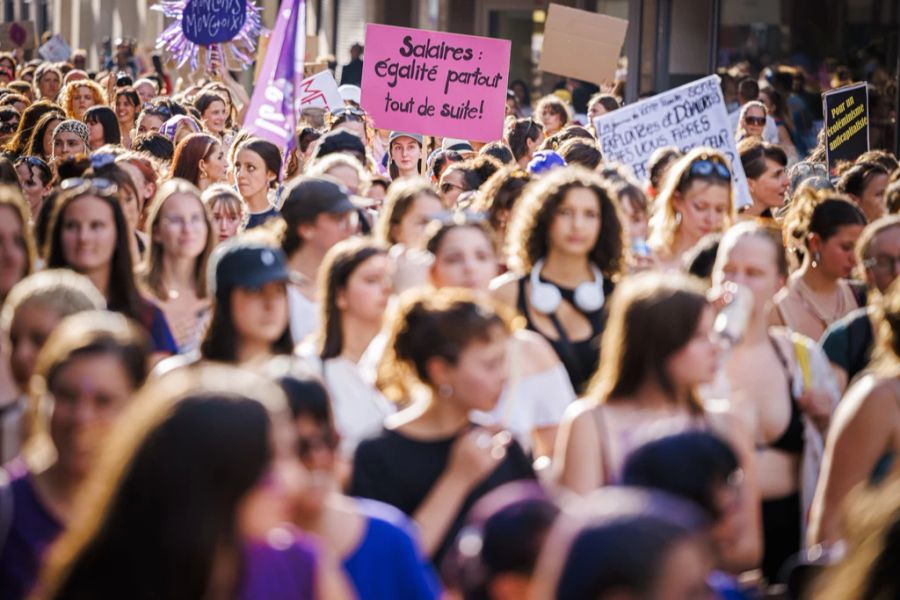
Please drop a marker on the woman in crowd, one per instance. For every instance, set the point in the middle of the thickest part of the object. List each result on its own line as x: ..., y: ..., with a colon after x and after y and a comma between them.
x: 130, y: 199
x: 35, y: 179
x: 200, y: 159
x: 128, y: 105
x: 31, y: 311
x: 174, y: 272
x: 47, y: 82
x: 658, y: 167
x: 257, y: 168
x: 578, y: 151
x: 865, y: 435
x: 601, y: 104
x: 866, y: 183
x: 342, y: 167
x: 567, y: 245
x: 210, y: 454
x: 227, y: 209
x: 524, y: 137
x: 538, y: 390
x: 465, y: 176
x: 17, y: 249
x: 552, y: 113
x: 355, y: 286
x: 376, y: 543
x: 499, y: 195
x: 70, y: 138
x: 695, y: 200
x: 409, y: 206
x: 430, y: 461
x: 824, y: 228
x: 89, y: 234
x: 85, y: 376
x: 150, y: 120
x: 213, y: 110
x: 78, y: 96
x: 103, y: 125
x: 143, y: 175
x: 20, y: 143
x: 41, y: 144
x: 249, y: 321
x: 765, y: 167
x: 789, y: 409
x: 752, y: 121
x: 317, y: 213
x: 777, y: 109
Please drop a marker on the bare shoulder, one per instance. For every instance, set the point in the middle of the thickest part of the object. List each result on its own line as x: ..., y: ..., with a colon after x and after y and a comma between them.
x: 505, y: 288
x: 537, y: 353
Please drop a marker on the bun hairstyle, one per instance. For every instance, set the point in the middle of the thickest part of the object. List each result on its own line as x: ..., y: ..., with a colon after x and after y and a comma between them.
x: 433, y: 324
x: 820, y: 213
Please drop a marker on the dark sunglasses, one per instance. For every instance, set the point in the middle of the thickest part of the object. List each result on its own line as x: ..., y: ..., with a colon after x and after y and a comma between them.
x: 76, y: 186
x: 706, y: 168
x: 755, y: 121
x: 9, y: 126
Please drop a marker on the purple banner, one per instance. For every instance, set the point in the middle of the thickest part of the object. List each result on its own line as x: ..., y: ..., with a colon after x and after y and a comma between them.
x: 275, y: 107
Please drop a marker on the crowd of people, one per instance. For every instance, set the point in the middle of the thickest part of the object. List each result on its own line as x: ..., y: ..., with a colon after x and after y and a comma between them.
x: 388, y: 365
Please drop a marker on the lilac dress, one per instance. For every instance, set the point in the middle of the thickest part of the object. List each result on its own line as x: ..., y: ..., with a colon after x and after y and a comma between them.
x: 281, y: 567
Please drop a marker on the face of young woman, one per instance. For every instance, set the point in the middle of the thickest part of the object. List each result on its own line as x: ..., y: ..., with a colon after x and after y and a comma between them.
x: 769, y: 188
x: 67, y: 144
x: 596, y: 110
x: 214, y: 117
x: 480, y: 373
x: 88, y: 394
x: 551, y: 121
x: 330, y: 228
x: 47, y: 140
x: 871, y: 202
x: 453, y: 183
x: 215, y: 166
x: 227, y: 222
x: 406, y: 152
x: 696, y: 362
x: 181, y: 226
x: 32, y: 188
x: 703, y: 208
x: 82, y: 100
x: 837, y: 257
x: 12, y: 249
x: 88, y: 234
x: 125, y: 112
x: 411, y: 228
x: 251, y: 174
x: 95, y: 134
x: 684, y: 572
x: 131, y: 207
x: 465, y: 258
x: 260, y: 315
x: 150, y: 123
x: 636, y: 220
x: 575, y: 226
x: 751, y: 262
x: 346, y: 175
x: 32, y: 324
x: 146, y: 92
x: 49, y: 85
x: 751, y: 122
x: 367, y: 291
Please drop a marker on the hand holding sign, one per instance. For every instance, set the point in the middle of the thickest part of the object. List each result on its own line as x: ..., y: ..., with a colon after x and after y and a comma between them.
x: 435, y: 83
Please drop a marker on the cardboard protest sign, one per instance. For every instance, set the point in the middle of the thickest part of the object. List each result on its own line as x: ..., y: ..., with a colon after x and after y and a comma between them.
x: 435, y: 83
x: 846, y: 113
x: 320, y: 91
x: 55, y: 50
x: 17, y: 34
x: 686, y: 117
x: 582, y: 44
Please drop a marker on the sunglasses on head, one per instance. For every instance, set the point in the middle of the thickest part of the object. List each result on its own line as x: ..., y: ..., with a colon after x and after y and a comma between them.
x: 76, y: 186
x: 756, y: 121
x: 345, y: 111
x: 9, y: 126
x: 160, y: 110
x: 706, y: 168
x: 32, y: 161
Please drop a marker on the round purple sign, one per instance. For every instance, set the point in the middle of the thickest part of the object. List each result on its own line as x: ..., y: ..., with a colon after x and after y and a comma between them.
x: 207, y: 22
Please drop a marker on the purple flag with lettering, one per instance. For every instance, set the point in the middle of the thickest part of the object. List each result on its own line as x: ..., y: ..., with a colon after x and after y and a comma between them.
x: 275, y: 107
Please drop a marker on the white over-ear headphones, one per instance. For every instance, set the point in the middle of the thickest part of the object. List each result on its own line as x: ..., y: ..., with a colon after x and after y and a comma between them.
x: 546, y: 297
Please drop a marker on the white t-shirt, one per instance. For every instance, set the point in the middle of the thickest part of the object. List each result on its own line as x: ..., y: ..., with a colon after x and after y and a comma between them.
x: 304, y: 314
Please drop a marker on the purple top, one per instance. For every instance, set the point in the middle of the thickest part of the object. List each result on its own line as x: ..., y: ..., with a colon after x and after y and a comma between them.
x: 281, y: 567
x: 31, y: 531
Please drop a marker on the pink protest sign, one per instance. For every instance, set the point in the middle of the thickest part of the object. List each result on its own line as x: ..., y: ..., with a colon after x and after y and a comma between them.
x: 435, y: 83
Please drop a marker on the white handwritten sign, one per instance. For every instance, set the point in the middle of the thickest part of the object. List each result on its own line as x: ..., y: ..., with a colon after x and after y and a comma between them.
x: 320, y: 91
x: 686, y: 117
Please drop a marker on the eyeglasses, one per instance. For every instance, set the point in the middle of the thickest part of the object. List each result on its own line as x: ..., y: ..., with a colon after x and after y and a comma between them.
x: 755, y: 121
x: 76, y: 186
x: 705, y: 167
x: 883, y: 263
x: 447, y: 186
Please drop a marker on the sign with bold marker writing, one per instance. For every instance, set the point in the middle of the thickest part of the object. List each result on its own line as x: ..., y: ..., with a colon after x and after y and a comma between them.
x: 320, y: 91
x: 207, y: 22
x: 686, y: 117
x: 846, y: 113
x: 435, y: 83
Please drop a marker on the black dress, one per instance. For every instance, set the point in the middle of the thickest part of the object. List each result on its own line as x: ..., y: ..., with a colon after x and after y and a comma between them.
x: 401, y: 471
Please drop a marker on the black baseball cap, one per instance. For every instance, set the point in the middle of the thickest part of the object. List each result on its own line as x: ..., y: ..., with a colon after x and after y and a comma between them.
x: 245, y: 264
x: 307, y: 197
x: 340, y: 140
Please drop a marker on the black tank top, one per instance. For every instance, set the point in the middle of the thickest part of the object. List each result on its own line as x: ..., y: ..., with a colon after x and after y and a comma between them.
x: 580, y: 358
x: 791, y: 441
